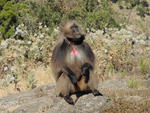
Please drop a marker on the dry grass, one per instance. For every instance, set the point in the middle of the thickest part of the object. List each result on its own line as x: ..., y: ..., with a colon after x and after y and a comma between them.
x: 129, y: 100
x: 115, y: 59
x: 144, y: 92
x: 43, y: 76
x: 7, y: 91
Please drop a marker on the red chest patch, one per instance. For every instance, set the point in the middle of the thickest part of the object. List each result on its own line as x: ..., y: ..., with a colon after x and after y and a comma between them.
x: 74, y: 52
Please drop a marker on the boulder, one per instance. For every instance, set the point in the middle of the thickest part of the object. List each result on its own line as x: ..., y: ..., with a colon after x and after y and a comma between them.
x: 44, y: 99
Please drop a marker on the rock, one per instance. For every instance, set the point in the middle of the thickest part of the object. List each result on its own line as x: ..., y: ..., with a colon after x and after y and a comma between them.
x: 148, y: 82
x: 86, y: 103
x: 38, y: 105
x: 113, y: 84
x: 43, y: 99
x: 13, y: 101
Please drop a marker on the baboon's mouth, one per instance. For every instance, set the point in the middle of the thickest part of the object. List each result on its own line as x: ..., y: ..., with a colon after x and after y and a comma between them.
x: 76, y: 41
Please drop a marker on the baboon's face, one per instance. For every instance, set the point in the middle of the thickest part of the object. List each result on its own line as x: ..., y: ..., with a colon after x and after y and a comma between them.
x: 75, y: 37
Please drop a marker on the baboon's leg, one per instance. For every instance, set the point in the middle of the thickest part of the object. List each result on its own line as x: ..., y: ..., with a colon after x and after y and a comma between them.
x: 65, y: 87
x: 93, y: 84
x: 83, y: 84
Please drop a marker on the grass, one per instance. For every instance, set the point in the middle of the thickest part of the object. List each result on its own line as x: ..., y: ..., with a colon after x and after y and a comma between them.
x: 144, y: 65
x: 133, y: 84
x: 114, y: 56
x: 38, y: 77
x: 115, y: 59
x: 110, y: 68
x: 123, y: 106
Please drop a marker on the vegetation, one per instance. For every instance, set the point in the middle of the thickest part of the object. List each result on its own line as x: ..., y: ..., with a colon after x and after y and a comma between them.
x: 8, y: 17
x: 90, y: 13
x: 142, y: 6
x: 132, y: 83
x: 128, y: 106
x: 31, y: 81
x: 28, y: 30
x: 144, y: 65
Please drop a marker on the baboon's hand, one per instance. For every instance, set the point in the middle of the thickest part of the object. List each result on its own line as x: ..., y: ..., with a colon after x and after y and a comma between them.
x: 73, y: 79
x: 85, y: 71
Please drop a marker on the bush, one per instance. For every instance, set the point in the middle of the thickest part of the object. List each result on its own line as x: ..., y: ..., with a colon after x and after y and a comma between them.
x: 8, y: 17
x: 91, y: 14
x: 47, y: 12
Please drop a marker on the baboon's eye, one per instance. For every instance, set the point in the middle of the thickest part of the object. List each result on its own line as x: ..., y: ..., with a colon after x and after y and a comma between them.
x: 74, y: 28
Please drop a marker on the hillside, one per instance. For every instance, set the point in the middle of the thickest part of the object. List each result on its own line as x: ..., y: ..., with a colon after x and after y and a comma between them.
x: 139, y: 24
x: 122, y: 61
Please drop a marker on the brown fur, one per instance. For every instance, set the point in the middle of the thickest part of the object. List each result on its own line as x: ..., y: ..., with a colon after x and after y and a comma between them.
x: 62, y: 61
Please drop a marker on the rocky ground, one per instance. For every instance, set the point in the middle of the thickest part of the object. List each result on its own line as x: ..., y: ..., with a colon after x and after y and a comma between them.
x: 43, y: 99
x: 122, y: 63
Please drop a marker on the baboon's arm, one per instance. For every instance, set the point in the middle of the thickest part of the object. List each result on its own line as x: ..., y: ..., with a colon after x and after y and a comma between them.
x: 85, y: 69
x: 70, y: 74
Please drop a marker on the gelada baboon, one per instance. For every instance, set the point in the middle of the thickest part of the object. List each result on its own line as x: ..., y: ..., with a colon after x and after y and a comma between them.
x: 73, y: 62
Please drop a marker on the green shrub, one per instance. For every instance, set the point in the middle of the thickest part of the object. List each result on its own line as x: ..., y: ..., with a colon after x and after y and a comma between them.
x: 47, y: 12
x: 8, y: 17
x: 89, y: 13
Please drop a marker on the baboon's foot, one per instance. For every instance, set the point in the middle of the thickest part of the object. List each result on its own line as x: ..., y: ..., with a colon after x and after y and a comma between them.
x: 68, y: 99
x: 97, y: 93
